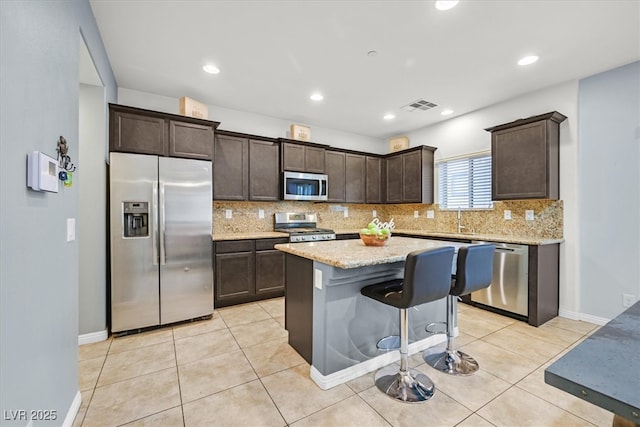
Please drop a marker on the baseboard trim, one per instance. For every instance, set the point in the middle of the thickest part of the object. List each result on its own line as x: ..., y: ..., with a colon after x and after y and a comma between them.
x: 584, y: 317
x: 326, y: 382
x: 73, y: 410
x: 93, y: 337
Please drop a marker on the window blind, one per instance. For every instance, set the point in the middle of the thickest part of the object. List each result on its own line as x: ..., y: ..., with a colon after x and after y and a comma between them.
x: 465, y: 183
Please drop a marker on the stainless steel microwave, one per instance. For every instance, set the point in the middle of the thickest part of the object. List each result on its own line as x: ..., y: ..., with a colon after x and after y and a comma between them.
x: 304, y: 186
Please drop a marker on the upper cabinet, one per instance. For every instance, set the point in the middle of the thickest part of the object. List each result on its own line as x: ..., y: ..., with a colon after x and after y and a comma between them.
x: 135, y: 130
x: 346, y: 175
x: 334, y: 164
x: 245, y: 168
x: 409, y: 176
x: 301, y: 157
x: 374, y: 191
x: 525, y: 158
x: 355, y: 178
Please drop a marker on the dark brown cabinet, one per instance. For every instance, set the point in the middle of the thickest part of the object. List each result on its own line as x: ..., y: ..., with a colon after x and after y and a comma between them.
x: 302, y: 157
x: 355, y: 178
x: 264, y: 172
x: 525, y: 158
x: 245, y: 168
x: 135, y: 130
x: 248, y: 270
x: 230, y: 168
x: 410, y: 176
x: 374, y: 191
x: 334, y: 163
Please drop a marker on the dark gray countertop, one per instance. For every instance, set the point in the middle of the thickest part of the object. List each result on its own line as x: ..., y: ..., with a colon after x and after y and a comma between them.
x: 604, y: 369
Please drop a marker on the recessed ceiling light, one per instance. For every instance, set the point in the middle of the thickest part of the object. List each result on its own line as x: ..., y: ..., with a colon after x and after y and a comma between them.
x: 446, y: 112
x: 211, y: 69
x: 389, y: 116
x: 528, y: 60
x: 446, y: 4
x: 316, y: 97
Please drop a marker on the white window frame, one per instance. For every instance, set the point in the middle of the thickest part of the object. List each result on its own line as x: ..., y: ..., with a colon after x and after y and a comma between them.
x: 488, y: 206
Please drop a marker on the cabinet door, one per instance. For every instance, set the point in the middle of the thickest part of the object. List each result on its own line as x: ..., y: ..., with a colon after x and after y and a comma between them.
x: 394, y: 179
x: 264, y: 172
x: 314, y: 159
x: 135, y: 133
x: 374, y: 179
x: 412, y: 177
x: 293, y: 157
x: 519, y: 162
x: 269, y: 271
x: 234, y: 275
x: 230, y: 168
x: 355, y: 178
x: 190, y: 140
x: 334, y: 165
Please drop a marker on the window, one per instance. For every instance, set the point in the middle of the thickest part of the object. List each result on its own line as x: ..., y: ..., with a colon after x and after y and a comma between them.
x: 465, y: 183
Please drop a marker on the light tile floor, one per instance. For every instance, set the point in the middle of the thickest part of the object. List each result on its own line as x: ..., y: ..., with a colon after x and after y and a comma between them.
x: 238, y: 370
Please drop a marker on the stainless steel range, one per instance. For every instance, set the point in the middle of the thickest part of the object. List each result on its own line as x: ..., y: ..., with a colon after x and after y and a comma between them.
x: 301, y: 227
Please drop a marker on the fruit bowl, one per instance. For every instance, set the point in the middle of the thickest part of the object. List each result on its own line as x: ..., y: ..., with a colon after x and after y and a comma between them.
x: 374, y: 239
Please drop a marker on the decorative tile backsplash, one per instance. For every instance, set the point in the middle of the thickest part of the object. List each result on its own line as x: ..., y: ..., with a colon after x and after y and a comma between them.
x: 547, y: 222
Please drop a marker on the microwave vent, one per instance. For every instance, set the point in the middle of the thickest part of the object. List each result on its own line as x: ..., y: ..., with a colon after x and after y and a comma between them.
x: 419, y: 104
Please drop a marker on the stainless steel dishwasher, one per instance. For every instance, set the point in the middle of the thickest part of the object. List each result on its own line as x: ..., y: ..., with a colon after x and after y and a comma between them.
x: 509, y: 289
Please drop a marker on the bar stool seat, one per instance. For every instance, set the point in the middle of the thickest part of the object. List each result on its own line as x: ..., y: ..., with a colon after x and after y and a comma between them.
x: 474, y: 271
x: 427, y: 278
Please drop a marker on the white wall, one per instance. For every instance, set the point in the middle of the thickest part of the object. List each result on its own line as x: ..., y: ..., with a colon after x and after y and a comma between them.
x: 609, y: 190
x: 91, y: 180
x: 255, y: 124
x: 466, y: 134
x: 39, y: 50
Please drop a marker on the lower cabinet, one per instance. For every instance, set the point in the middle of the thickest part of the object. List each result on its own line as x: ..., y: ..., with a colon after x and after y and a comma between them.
x: 247, y: 270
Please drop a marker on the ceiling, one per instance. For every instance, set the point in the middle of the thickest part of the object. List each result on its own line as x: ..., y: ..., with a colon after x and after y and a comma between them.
x: 274, y: 54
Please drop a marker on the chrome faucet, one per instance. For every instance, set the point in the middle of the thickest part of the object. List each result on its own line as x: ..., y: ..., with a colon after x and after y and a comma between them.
x: 460, y: 226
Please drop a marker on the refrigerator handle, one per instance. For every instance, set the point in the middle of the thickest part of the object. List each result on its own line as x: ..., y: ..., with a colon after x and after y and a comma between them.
x: 154, y: 216
x: 162, y: 226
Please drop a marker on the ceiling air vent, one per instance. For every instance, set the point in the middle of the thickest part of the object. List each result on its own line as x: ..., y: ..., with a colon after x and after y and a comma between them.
x: 419, y: 104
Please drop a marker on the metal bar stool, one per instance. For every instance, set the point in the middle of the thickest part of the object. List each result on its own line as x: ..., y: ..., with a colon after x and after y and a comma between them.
x: 474, y: 271
x: 427, y: 277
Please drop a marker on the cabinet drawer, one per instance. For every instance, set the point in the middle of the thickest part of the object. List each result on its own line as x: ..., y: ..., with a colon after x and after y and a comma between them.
x: 267, y: 244
x: 234, y: 246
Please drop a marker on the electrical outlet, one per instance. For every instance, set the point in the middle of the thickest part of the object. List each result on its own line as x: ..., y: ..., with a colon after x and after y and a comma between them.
x: 228, y: 213
x: 416, y: 214
x: 628, y: 300
x: 260, y: 213
x: 507, y: 214
x: 430, y: 214
x: 346, y: 212
x: 529, y: 215
x: 374, y: 213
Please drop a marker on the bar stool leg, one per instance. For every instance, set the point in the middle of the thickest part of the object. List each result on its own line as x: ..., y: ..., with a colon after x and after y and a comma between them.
x: 451, y: 361
x: 405, y: 385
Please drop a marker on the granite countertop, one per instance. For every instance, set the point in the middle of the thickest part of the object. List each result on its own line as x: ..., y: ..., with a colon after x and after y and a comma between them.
x: 353, y: 253
x: 483, y: 237
x: 248, y: 235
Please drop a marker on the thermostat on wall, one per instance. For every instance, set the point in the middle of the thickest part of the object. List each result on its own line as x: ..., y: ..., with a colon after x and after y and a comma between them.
x: 42, y: 172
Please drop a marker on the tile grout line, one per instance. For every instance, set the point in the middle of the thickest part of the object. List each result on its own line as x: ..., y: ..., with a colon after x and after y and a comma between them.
x: 175, y: 354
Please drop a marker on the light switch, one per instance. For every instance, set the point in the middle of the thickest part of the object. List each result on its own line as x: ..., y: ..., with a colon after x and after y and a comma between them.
x: 346, y: 212
x: 228, y: 214
x: 416, y: 214
x: 529, y: 215
x: 430, y: 214
x: 71, y: 229
x: 374, y: 213
x: 507, y: 214
x: 260, y: 213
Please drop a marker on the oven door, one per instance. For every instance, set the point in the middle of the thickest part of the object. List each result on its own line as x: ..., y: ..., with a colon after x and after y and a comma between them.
x: 304, y: 186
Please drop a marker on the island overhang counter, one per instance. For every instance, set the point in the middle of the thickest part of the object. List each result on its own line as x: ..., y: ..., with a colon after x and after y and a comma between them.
x: 333, y: 327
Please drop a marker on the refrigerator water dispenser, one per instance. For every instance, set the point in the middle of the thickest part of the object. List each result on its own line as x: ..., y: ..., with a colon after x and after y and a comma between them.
x: 136, y: 219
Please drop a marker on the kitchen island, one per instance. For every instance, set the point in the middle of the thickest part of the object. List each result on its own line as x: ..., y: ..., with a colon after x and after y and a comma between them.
x: 331, y: 324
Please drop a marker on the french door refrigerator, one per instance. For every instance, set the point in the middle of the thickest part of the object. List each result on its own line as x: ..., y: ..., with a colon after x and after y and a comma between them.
x: 161, y: 215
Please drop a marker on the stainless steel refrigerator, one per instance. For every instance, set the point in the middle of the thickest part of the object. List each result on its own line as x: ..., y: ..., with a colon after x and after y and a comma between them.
x: 161, y: 266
